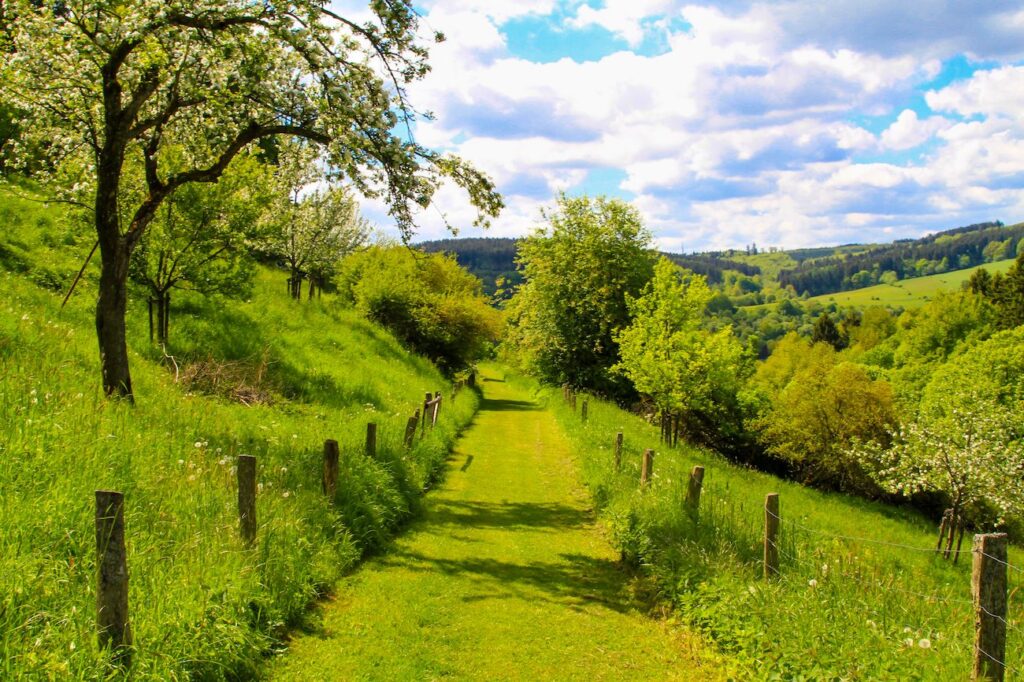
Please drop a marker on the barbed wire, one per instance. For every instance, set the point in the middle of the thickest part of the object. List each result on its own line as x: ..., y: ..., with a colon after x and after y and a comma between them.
x: 998, y: 560
x: 989, y: 656
x: 854, y: 538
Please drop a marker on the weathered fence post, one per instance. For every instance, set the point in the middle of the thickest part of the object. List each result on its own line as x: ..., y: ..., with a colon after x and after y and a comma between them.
x: 572, y: 399
x: 583, y: 411
x: 426, y: 406
x: 410, y: 429
x: 618, y: 451
x: 112, y: 577
x: 437, y: 409
x: 471, y: 381
x: 988, y: 586
x: 246, y: 467
x: 771, y: 535
x: 371, y: 440
x: 330, y: 468
x: 647, y: 467
x: 693, y: 490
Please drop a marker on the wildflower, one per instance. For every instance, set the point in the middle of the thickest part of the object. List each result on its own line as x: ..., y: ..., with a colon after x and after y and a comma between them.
x: 223, y: 461
x: 872, y: 624
x: 925, y: 644
x: 909, y: 641
x: 906, y: 629
x: 824, y: 569
x: 284, y: 470
x: 259, y: 487
x: 199, y: 444
x: 181, y: 462
x: 812, y: 582
x: 72, y: 646
x: 285, y: 494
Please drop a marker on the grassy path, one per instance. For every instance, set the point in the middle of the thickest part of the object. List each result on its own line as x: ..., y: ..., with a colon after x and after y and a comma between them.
x: 506, y: 577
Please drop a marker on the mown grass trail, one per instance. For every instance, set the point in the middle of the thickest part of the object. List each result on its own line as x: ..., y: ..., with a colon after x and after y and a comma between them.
x: 506, y: 577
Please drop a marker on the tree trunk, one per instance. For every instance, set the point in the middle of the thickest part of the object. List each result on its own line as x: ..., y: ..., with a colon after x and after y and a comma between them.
x: 111, y: 307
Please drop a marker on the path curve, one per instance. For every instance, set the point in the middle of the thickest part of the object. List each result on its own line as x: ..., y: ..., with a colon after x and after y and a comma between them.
x: 506, y: 577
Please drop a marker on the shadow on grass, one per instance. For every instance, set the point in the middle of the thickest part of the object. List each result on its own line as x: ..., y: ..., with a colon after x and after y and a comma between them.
x: 574, y: 580
x: 489, y: 405
x: 510, y: 516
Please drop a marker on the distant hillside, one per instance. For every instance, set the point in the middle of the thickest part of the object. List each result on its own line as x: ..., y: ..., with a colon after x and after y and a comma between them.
x: 956, y: 249
x: 908, y: 293
x: 494, y: 259
x: 817, y: 271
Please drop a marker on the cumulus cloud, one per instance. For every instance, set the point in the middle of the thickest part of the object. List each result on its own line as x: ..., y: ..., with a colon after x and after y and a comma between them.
x: 744, y: 127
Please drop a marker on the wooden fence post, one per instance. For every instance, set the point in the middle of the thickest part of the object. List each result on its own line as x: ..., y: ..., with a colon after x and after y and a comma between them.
x: 471, y: 382
x: 618, y: 451
x: 437, y: 409
x: 647, y: 467
x: 988, y: 586
x: 112, y: 577
x: 410, y: 429
x: 583, y: 411
x: 330, y: 468
x: 371, y: 440
x: 771, y: 535
x: 693, y: 490
x: 247, y: 498
x: 426, y: 407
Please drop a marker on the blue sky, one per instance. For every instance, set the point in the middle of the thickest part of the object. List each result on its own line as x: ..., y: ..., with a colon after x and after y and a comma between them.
x: 790, y: 123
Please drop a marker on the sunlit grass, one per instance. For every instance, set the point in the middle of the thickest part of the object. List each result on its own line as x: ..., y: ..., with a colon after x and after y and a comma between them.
x: 879, y: 608
x: 202, y: 605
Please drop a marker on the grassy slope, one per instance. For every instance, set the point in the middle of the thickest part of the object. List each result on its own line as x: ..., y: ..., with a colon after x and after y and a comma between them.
x: 869, y: 606
x: 201, y: 604
x: 908, y: 293
x: 506, y: 577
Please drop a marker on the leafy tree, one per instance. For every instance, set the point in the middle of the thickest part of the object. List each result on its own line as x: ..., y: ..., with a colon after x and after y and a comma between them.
x: 310, y: 230
x: 200, y: 240
x: 826, y: 331
x: 125, y: 80
x: 967, y: 438
x: 428, y: 301
x: 815, y: 407
x: 578, y: 271
x: 1007, y: 293
x: 668, y: 354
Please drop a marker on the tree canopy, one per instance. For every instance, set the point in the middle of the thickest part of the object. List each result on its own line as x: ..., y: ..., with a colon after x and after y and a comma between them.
x: 579, y: 269
x: 110, y: 86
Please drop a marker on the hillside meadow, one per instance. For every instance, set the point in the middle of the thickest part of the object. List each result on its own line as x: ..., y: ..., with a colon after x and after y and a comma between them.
x: 268, y: 377
x: 861, y: 595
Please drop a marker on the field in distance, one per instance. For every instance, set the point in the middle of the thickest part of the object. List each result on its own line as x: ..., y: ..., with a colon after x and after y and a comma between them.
x: 908, y: 293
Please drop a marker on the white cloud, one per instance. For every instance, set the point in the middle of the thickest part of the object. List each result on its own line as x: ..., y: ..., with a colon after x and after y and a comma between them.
x: 740, y: 132
x: 909, y: 131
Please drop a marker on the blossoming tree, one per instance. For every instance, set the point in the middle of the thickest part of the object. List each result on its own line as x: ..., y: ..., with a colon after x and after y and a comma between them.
x: 107, y: 87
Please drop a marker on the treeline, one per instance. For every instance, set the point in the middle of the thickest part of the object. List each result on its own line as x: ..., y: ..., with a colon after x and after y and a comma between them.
x: 493, y: 260
x: 922, y: 405
x: 956, y: 249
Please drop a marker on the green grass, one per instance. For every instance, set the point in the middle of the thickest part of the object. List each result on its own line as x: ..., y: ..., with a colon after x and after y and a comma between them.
x: 507, y: 576
x: 908, y: 293
x: 202, y: 605
x: 871, y: 602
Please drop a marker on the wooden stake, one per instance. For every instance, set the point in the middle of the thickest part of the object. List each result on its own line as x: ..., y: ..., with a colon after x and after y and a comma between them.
x: 693, y: 490
x: 371, y: 440
x: 247, y: 498
x: 988, y: 586
x: 583, y: 412
x: 771, y: 535
x: 330, y: 468
x: 410, y: 430
x: 647, y: 467
x: 112, y: 577
x: 618, y: 451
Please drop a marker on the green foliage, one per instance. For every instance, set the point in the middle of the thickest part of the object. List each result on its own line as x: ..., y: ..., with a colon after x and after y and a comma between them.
x: 1007, y: 294
x: 826, y: 331
x: 202, y: 606
x: 843, y: 608
x: 813, y: 406
x: 428, y: 301
x: 669, y: 356
x: 579, y: 270
x: 201, y: 238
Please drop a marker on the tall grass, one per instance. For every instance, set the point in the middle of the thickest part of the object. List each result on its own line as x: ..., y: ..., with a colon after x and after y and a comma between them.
x: 202, y: 605
x: 860, y: 596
